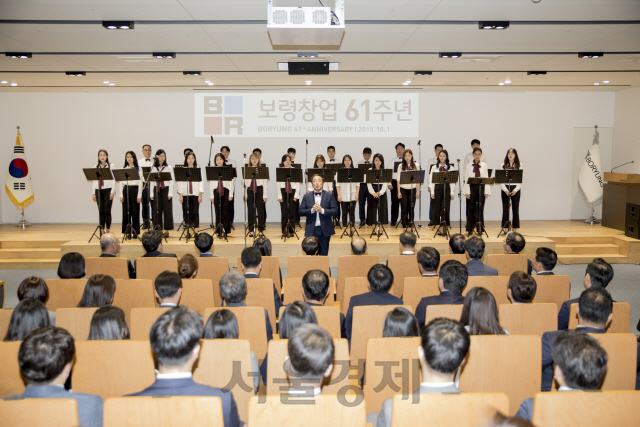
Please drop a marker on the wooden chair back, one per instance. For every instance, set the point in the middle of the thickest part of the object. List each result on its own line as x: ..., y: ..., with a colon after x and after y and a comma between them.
x: 528, y: 319
x: 497, y: 285
x: 462, y: 258
x: 77, y: 321
x: 552, y: 289
x: 416, y: 288
x: 299, y: 265
x: 368, y: 322
x: 133, y: 294
x: 353, y: 266
x: 163, y: 412
x: 213, y: 268
x: 390, y: 358
x: 197, y: 294
x: 149, y: 267
x: 270, y: 270
x: 328, y: 319
x: 39, y: 412
x: 260, y: 294
x: 325, y: 410
x: 251, y: 325
x: 353, y: 286
x: 449, y: 311
x: 620, y: 323
x: 402, y: 266
x: 113, y: 368
x: 5, y: 319
x: 292, y: 291
x: 573, y: 408
x: 115, y: 267
x: 64, y: 293
x: 142, y: 319
x: 226, y: 363
x: 445, y: 409
x: 506, y: 264
x: 12, y: 382
x: 514, y: 367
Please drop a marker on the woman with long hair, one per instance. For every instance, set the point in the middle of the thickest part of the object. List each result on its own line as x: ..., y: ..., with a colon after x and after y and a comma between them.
x: 35, y: 287
x: 164, y: 190
x: 132, y: 191
x: 441, y: 194
x: 28, y: 315
x: 476, y: 194
x: 256, y: 197
x: 108, y: 323
x: 191, y: 195
x: 98, y: 292
x: 104, y: 191
x: 288, y: 195
x: 222, y: 196
x: 480, y: 313
x: 407, y: 193
x: 347, y: 195
x: 377, y: 198
x: 320, y: 163
x: 511, y: 161
x: 400, y: 323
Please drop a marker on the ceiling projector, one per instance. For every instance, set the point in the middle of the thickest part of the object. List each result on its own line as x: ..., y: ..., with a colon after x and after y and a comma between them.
x: 306, y: 26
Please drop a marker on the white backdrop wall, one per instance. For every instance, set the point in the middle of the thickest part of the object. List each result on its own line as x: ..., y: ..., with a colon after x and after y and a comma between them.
x: 64, y: 131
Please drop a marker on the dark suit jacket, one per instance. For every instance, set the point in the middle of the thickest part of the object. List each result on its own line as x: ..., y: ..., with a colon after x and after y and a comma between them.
x: 207, y: 256
x: 276, y: 297
x: 132, y: 271
x: 564, y: 313
x: 155, y: 254
x: 188, y: 387
x: 545, y: 273
x: 475, y: 267
x: 328, y: 203
x: 445, y: 297
x: 266, y: 317
x: 369, y: 298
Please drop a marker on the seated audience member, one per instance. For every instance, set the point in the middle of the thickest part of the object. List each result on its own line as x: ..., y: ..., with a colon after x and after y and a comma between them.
x: 474, y: 250
x: 428, y: 261
x: 544, y: 261
x: 233, y: 289
x: 408, y: 242
x: 152, y: 244
x: 501, y: 420
x: 188, y: 267
x: 98, y: 292
x: 110, y: 246
x: 29, y: 314
x: 514, y: 243
x: 71, y: 266
x: 223, y: 324
x: 444, y: 347
x: 168, y: 288
x: 358, y: 246
x: 311, y: 245
x: 175, y: 341
x: 315, y: 290
x: 108, y: 323
x: 264, y: 246
x: 204, y: 243
x: 35, y: 288
x: 522, y: 288
x: 599, y: 273
x: 310, y: 361
x: 380, y: 279
x: 45, y: 359
x: 251, y: 264
x: 581, y: 364
x: 400, y: 323
x: 451, y: 281
x: 456, y: 244
x: 480, y: 313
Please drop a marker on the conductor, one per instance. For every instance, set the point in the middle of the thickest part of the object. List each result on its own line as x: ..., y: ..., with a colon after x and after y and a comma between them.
x: 319, y: 206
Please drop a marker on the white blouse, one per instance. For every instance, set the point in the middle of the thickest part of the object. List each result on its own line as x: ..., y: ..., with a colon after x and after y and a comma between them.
x: 347, y: 191
x: 168, y: 184
x: 295, y: 186
x: 383, y: 189
x: 504, y: 186
x: 432, y: 186
x: 132, y: 183
x: 391, y: 161
x: 105, y: 184
x: 260, y: 183
x: 229, y: 185
x: 484, y: 173
x: 407, y: 186
x: 197, y: 188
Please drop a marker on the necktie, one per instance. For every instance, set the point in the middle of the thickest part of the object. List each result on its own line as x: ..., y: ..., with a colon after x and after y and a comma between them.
x: 332, y: 160
x: 366, y: 162
x: 254, y: 186
x: 476, y: 170
x: 510, y: 167
x: 287, y: 188
x: 443, y: 169
x: 101, y: 182
x: 318, y: 194
x: 225, y: 161
x: 162, y: 182
x: 220, y: 187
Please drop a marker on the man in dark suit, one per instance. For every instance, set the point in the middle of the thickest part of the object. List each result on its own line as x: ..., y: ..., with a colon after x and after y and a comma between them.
x: 152, y: 244
x: 408, y: 242
x: 428, y: 261
x: 514, y: 243
x: 380, y: 279
x: 233, y: 289
x: 544, y: 261
x: 45, y: 359
x: 175, y: 341
x: 456, y: 243
x: 474, y: 250
x: 311, y: 246
x: 110, y: 246
x: 315, y: 290
x: 319, y: 206
x: 452, y: 280
x: 310, y: 363
x: 251, y: 265
x: 599, y: 273
x: 168, y: 288
x: 204, y: 243
x: 522, y: 288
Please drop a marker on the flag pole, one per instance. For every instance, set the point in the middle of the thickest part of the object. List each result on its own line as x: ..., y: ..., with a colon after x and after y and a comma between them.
x: 592, y: 219
x: 23, y: 223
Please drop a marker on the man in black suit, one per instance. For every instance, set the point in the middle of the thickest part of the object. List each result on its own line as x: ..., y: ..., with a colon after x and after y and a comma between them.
x: 474, y: 250
x: 110, y: 246
x: 315, y: 290
x: 175, y: 341
x: 310, y: 363
x: 428, y: 261
x: 380, y: 279
x: 168, y: 288
x: 319, y: 207
x: 204, y: 243
x: 452, y: 280
x: 233, y: 289
x: 456, y: 243
x: 522, y: 288
x: 599, y: 273
x: 408, y: 242
x: 251, y: 265
x: 152, y: 244
x: 514, y: 243
x: 311, y: 245
x: 544, y: 262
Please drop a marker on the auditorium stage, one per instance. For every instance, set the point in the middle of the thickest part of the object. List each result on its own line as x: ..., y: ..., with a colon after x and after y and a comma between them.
x: 42, y: 245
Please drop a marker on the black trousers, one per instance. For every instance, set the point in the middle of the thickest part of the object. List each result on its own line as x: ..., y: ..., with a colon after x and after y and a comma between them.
x: 255, y: 202
x: 362, y: 201
x: 232, y: 209
x: 298, y: 211
x: 408, y: 197
x: 395, y: 203
x: 515, y: 207
x: 103, y: 197
x: 335, y: 194
x: 130, y: 209
x: 145, y: 203
x: 164, y: 208
x: 475, y: 213
x: 223, y: 216
x: 194, y: 210
x: 348, y: 210
x: 442, y: 199
x: 287, y: 211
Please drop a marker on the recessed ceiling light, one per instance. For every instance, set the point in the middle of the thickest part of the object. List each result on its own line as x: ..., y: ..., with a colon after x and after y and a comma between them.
x: 493, y: 25
x: 14, y: 84
x: 76, y: 73
x: 450, y: 55
x: 106, y: 82
x: 606, y: 81
x: 207, y: 81
x: 118, y: 25
x: 18, y: 55
x: 408, y: 81
x: 423, y: 73
x: 4, y: 82
x: 164, y: 55
x: 210, y: 83
x: 405, y: 83
x: 507, y: 81
x: 112, y: 84
x: 536, y: 73
x: 596, y: 84
x: 191, y: 73
x: 307, y: 54
x: 308, y: 82
x: 501, y: 84
x: 590, y: 54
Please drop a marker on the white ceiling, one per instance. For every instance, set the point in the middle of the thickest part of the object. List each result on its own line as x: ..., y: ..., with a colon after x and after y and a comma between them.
x: 237, y: 54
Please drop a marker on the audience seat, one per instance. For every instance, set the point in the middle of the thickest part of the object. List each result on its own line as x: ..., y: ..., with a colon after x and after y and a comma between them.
x: 251, y: 325
x: 353, y: 266
x: 213, y: 268
x: 416, y: 288
x: 197, y: 294
x: 163, y: 412
x: 149, y: 267
x: 462, y: 258
x: 133, y: 294
x: 115, y: 267
x: 292, y: 291
x: 402, y: 266
x: 449, y: 311
x: 528, y: 319
x: 3, y: 294
x: 77, y: 321
x: 497, y: 285
x: 506, y: 264
x: 368, y: 322
x: 552, y: 289
x: 142, y: 319
x: 11, y: 382
x: 328, y: 319
x: 620, y: 323
x: 270, y: 270
x: 353, y: 286
x: 260, y: 294
x: 5, y: 319
x: 299, y: 265
x: 39, y: 412
x: 64, y: 293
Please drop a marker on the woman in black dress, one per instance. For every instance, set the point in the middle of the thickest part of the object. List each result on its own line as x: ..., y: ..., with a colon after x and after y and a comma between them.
x: 377, y: 198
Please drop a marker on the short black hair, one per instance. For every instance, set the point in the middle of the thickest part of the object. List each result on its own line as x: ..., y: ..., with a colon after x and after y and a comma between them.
x: 44, y: 353
x: 71, y: 266
x: 151, y: 240
x: 367, y: 150
x: 203, y: 242
x: 222, y: 324
x: 311, y: 351
x: 380, y: 278
x: 296, y: 314
x: 98, y: 291
x: 474, y: 247
x: 454, y: 275
x: 233, y: 287
x: 429, y: 258
x: 174, y: 335
x: 315, y: 285
x: 547, y: 257
x: 257, y: 150
x: 146, y: 145
x: 251, y: 257
x: 595, y: 305
x: 515, y: 241
x: 445, y: 343
x: 523, y: 286
x: 360, y: 248
x: 225, y: 147
x: 167, y: 284
x: 408, y: 239
x: 28, y: 315
x: 581, y: 359
x: 108, y: 323
x: 33, y: 287
x: 456, y: 243
x: 331, y: 147
x: 291, y: 150
x: 436, y: 146
x: 311, y: 245
x: 600, y: 272
x: 400, y: 144
x: 475, y: 141
x: 400, y: 323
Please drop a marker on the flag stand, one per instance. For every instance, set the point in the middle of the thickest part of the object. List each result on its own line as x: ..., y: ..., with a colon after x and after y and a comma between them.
x: 592, y: 219
x: 23, y: 222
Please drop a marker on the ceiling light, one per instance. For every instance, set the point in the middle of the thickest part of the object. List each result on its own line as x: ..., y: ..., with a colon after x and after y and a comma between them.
x: 112, y: 84
x: 164, y: 55
x: 450, y: 54
x: 307, y: 54
x: 596, y: 84
x: 18, y: 55
x: 606, y: 81
x: 422, y: 73
x: 210, y: 83
x: 76, y: 73
x: 501, y: 84
x: 106, y: 82
x: 405, y: 83
x: 14, y: 84
x: 207, y: 81
x: 507, y: 81
x: 308, y: 82
x: 192, y: 73
x: 118, y: 25
x: 408, y: 81
x: 590, y: 54
x: 4, y: 82
x: 493, y: 25
x: 536, y: 73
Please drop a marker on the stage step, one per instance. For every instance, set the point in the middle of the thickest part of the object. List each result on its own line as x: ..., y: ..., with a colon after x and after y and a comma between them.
x: 587, y: 248
x: 586, y: 240
x: 30, y: 253
x: 29, y: 264
x: 586, y: 259
x: 18, y: 244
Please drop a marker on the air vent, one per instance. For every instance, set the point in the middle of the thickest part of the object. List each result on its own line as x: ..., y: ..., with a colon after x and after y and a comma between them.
x: 297, y: 17
x: 279, y: 16
x: 630, y: 58
x: 476, y: 58
x: 138, y: 58
x: 319, y: 17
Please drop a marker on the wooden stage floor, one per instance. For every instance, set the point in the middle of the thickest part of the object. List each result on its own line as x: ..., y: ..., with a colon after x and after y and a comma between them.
x: 42, y: 245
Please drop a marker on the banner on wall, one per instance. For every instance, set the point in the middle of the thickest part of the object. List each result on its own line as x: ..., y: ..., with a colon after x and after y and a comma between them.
x: 17, y: 180
x: 303, y: 115
x: 590, y: 180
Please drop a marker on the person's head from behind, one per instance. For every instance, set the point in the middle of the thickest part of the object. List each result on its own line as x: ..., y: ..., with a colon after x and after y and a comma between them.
x: 204, y: 242
x: 71, y: 266
x: 579, y: 361
x: 358, y: 246
x: 264, y: 246
x: 595, y: 308
x: 311, y: 245
x: 522, y: 287
x: 408, y: 241
x: 480, y: 313
x: 453, y: 276
x: 296, y: 314
x: 474, y: 248
x: 400, y: 323
x: 46, y: 355
x: 33, y: 287
x: 380, y: 278
x: 311, y: 353
x: 108, y: 323
x: 233, y: 287
x: 28, y: 315
x: 152, y: 241
x: 428, y: 259
x: 514, y: 242
x: 315, y: 286
x: 544, y: 260
x: 444, y: 346
x: 599, y: 273
x: 188, y: 267
x: 222, y: 324
x: 109, y: 244
x: 175, y: 339
x: 501, y: 420
x: 456, y: 243
x: 168, y: 287
x: 98, y: 292
x: 251, y: 260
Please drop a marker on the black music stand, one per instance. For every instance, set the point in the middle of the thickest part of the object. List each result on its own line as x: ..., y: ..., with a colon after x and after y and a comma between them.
x: 97, y: 174
x: 508, y: 177
x: 157, y: 177
x: 254, y: 172
x: 379, y: 176
x: 444, y: 178
x: 479, y: 225
x: 188, y: 175
x: 220, y: 174
x: 146, y: 170
x: 350, y: 176
x: 125, y: 175
x: 413, y: 177
x: 289, y: 175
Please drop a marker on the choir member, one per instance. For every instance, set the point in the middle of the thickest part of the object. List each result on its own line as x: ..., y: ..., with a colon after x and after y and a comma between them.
x: 475, y: 143
x: 104, y: 191
x: 164, y: 192
x: 292, y: 154
x: 146, y: 161
x: 256, y: 196
x: 407, y: 193
x: 511, y: 161
x: 395, y: 202
x: 437, y: 149
x: 441, y: 195
x: 191, y: 194
x: 476, y: 193
x: 347, y: 195
x: 288, y: 194
x: 222, y: 189
x: 363, y: 192
x: 225, y: 150
x: 320, y: 163
x: 331, y: 153
x: 133, y: 192
x: 377, y: 199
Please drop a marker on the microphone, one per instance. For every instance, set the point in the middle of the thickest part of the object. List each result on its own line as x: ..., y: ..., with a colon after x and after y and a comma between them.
x: 211, y: 139
x: 458, y: 160
x: 632, y: 161
x: 307, y: 141
x: 419, y: 141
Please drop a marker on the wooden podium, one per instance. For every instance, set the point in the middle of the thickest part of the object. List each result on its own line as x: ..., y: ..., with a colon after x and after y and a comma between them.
x: 619, y: 189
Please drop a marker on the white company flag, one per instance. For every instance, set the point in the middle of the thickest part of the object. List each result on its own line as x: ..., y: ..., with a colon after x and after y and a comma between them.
x: 18, y: 181
x: 590, y: 180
